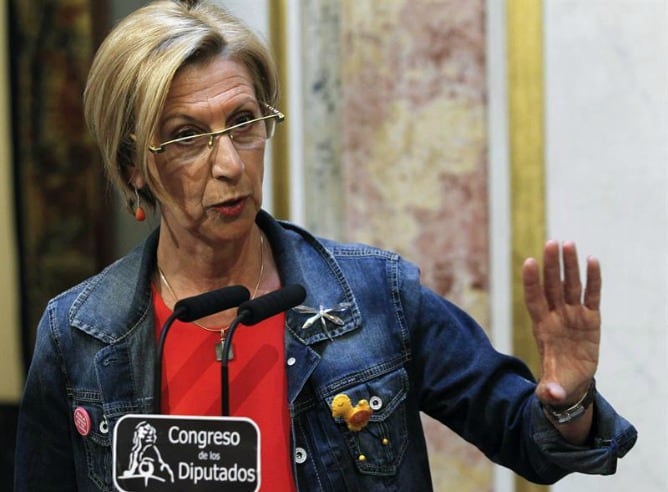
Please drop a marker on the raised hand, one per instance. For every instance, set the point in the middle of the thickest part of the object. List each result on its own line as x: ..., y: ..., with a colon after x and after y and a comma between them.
x: 566, y: 322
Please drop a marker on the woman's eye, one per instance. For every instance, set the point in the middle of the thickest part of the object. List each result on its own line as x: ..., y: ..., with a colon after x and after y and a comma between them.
x: 242, y: 119
x: 186, y: 136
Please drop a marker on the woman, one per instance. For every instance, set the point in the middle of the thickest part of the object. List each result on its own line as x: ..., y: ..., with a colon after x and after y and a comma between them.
x: 180, y: 99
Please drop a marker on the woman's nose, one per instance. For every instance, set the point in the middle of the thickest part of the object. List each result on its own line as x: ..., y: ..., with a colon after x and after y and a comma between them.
x: 226, y: 163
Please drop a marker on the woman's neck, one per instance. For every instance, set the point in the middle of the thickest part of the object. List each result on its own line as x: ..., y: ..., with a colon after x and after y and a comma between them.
x: 191, y: 267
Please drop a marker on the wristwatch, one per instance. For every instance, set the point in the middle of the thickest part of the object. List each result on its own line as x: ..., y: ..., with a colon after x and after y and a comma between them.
x: 565, y: 415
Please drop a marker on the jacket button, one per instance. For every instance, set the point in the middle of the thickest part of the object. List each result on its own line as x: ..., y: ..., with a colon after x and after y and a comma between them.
x: 292, y: 361
x: 104, y: 426
x: 376, y: 403
x: 300, y: 455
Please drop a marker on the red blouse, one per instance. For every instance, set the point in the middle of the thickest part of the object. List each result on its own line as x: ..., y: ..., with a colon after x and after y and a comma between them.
x: 191, y: 384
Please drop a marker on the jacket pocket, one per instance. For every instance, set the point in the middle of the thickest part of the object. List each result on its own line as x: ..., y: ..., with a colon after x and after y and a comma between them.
x: 95, y: 424
x: 378, y: 446
x: 94, y: 431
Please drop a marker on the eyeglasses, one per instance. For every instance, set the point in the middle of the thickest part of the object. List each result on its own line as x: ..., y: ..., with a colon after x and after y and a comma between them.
x: 246, y: 135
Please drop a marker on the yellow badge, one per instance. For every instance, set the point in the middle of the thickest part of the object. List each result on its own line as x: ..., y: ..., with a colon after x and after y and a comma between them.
x: 356, y: 417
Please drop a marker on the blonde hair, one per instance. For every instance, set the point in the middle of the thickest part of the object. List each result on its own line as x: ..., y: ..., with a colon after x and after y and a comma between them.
x: 133, y: 70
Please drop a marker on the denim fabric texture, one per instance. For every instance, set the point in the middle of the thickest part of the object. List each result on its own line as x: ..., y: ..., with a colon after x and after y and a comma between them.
x: 401, y: 346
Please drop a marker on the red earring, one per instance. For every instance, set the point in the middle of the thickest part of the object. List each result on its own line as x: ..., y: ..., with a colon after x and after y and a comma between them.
x: 140, y: 215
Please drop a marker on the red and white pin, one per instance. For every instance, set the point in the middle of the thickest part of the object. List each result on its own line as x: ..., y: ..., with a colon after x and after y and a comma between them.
x: 82, y: 421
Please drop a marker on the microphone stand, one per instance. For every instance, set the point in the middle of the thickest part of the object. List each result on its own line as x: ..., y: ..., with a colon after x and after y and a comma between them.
x: 190, y: 309
x: 252, y: 312
x: 157, y: 378
x: 224, y: 369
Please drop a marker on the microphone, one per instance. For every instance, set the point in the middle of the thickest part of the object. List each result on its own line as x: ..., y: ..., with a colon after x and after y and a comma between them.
x: 250, y: 313
x: 203, y: 305
x: 190, y: 309
x: 253, y: 311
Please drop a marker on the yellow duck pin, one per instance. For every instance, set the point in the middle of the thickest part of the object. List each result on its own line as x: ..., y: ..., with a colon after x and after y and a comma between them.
x: 355, y: 417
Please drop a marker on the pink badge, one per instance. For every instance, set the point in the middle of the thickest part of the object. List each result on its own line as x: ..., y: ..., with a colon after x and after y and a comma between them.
x: 82, y: 421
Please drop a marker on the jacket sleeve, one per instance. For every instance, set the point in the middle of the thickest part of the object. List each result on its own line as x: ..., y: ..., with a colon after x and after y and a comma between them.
x: 44, y: 458
x: 612, y: 437
x: 488, y: 398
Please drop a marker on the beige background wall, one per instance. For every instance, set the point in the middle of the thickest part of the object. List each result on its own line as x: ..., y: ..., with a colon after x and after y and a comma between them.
x: 11, y: 379
x: 606, y: 66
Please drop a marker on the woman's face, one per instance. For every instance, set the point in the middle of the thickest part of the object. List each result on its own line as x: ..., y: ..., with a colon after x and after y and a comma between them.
x: 214, y: 193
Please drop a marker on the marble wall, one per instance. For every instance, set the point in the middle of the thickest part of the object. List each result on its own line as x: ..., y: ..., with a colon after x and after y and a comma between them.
x: 396, y: 154
x: 321, y: 86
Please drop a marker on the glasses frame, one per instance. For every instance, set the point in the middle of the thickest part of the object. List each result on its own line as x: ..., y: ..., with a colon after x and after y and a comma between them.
x: 275, y: 114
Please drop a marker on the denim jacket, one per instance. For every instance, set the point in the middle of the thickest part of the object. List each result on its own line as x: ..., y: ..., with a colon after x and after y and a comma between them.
x: 401, y: 347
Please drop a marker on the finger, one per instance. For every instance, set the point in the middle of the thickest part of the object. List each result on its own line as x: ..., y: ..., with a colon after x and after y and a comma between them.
x: 534, y: 297
x: 592, y: 297
x: 572, y: 283
x: 553, y: 286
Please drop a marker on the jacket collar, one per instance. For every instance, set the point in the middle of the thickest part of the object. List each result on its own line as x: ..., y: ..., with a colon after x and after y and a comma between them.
x: 303, y: 259
x: 118, y: 300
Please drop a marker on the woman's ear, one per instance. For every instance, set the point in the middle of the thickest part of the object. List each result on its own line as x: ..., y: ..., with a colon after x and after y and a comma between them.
x: 136, y: 178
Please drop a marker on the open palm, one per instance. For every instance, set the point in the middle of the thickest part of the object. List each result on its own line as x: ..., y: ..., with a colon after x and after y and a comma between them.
x: 566, y: 321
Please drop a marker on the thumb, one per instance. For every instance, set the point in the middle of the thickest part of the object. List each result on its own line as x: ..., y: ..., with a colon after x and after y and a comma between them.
x: 550, y: 392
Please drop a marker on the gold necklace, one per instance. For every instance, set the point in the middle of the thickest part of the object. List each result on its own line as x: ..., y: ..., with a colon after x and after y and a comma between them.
x: 219, y: 346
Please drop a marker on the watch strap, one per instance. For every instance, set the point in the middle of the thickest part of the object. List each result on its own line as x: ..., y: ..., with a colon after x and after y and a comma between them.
x: 563, y: 415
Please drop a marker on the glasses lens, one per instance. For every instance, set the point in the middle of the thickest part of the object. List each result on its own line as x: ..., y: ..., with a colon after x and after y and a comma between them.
x: 249, y: 135
x: 245, y: 136
x: 188, y: 149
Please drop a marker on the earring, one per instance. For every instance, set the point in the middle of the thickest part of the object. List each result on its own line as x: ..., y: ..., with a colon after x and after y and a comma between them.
x: 140, y: 215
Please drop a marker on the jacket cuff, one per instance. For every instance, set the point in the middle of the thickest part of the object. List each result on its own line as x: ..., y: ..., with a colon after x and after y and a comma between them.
x: 612, y: 437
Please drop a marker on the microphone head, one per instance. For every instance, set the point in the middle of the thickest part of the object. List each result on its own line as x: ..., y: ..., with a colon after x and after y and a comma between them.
x: 202, y: 305
x: 253, y: 311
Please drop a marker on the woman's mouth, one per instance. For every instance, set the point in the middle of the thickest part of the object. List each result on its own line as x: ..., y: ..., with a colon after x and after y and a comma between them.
x: 230, y: 208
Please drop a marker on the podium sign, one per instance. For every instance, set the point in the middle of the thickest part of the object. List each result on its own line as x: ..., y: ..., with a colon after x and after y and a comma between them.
x: 155, y: 453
